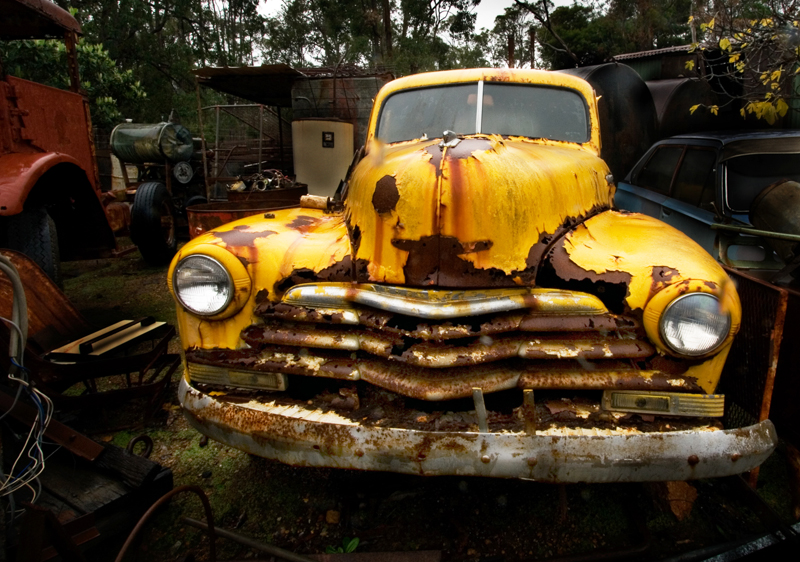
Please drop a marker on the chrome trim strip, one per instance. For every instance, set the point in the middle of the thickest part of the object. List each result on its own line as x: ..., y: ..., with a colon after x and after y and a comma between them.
x: 442, y: 303
x: 479, y: 108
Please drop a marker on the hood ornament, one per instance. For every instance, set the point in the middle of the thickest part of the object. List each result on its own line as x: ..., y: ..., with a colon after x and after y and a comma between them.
x: 449, y: 139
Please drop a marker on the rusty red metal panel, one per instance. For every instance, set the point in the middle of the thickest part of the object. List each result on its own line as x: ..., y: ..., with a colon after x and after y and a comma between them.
x: 54, y: 121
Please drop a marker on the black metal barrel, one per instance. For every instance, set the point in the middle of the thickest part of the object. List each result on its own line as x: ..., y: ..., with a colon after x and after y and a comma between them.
x: 627, y: 113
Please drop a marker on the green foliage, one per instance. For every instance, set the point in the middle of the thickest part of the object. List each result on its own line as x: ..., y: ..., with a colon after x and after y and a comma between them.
x: 348, y: 545
x: 593, y: 32
x: 421, y: 34
x: 755, y: 45
x: 107, y: 86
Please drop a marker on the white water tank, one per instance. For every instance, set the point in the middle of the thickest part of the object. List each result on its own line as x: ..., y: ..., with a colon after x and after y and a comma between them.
x: 322, y: 149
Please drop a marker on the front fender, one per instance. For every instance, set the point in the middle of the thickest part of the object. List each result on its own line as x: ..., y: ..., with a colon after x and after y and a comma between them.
x: 20, y: 172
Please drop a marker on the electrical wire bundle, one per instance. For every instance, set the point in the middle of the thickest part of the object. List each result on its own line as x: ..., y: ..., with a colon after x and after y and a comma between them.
x: 31, y: 451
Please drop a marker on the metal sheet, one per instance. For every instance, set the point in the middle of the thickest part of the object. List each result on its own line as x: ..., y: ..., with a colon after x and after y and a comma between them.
x: 334, y: 441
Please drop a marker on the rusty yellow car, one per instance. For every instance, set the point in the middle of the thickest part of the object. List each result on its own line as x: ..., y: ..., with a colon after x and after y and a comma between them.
x: 470, y: 302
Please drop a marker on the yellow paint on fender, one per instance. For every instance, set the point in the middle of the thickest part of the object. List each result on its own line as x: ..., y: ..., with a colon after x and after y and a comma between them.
x: 272, y: 249
x: 637, y: 244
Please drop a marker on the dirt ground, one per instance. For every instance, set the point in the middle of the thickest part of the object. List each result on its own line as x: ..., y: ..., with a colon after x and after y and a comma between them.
x: 308, y: 510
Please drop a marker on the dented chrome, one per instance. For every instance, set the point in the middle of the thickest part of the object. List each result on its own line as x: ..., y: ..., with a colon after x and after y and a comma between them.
x: 442, y: 303
x: 303, y: 436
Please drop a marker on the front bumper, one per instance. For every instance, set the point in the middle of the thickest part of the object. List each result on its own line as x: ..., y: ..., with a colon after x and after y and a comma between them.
x: 304, y: 437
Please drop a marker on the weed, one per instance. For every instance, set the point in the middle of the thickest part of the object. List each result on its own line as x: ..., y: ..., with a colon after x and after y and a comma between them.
x: 348, y: 545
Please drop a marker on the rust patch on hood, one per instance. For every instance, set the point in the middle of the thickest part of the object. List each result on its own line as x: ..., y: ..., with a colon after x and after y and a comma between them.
x: 436, y: 158
x: 434, y: 260
x: 466, y: 147
x: 303, y: 223
x: 386, y: 195
x: 241, y: 235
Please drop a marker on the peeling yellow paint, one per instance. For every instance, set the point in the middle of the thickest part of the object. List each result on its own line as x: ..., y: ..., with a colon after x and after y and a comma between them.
x: 636, y: 244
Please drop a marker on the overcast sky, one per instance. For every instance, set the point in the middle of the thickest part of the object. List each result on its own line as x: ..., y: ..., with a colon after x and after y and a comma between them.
x: 487, y: 10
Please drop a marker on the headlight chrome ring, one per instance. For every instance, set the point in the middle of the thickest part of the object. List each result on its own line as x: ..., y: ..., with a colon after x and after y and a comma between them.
x: 693, y: 324
x: 202, y: 285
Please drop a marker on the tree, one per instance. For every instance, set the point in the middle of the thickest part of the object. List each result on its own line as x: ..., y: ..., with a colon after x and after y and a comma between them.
x: 594, y: 32
x: 161, y: 41
x: 107, y: 86
x: 407, y: 35
x: 755, y: 45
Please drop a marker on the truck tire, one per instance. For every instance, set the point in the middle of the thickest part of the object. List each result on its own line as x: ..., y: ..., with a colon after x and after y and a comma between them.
x: 153, y: 223
x: 33, y: 233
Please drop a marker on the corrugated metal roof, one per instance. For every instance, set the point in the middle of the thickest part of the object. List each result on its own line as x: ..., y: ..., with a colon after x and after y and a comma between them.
x: 271, y: 84
x: 654, y: 52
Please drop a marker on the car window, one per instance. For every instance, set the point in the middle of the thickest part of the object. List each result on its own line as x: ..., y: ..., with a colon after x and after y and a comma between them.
x: 657, y: 173
x: 535, y: 112
x: 413, y: 114
x: 526, y: 110
x: 748, y: 175
x: 694, y: 183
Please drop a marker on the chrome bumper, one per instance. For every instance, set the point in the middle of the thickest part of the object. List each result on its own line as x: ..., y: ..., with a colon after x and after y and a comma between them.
x: 301, y: 437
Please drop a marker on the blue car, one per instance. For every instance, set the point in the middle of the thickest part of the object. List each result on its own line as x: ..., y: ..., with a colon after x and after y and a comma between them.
x: 713, y: 187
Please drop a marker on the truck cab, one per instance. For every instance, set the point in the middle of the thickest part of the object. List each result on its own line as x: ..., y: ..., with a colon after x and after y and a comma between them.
x: 50, y: 197
x: 469, y: 303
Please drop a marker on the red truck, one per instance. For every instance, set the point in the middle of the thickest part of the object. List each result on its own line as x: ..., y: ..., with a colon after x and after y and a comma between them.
x: 50, y: 198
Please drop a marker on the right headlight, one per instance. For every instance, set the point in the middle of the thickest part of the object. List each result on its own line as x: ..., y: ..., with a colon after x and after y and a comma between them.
x: 694, y: 324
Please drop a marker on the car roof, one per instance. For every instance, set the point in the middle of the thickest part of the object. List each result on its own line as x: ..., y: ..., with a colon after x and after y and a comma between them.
x: 726, y: 137
x: 739, y: 143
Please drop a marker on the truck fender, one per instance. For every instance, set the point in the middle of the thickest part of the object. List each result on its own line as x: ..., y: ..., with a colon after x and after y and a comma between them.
x: 20, y: 172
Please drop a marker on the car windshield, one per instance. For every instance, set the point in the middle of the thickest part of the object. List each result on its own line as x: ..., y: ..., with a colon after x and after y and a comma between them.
x: 748, y: 175
x: 506, y: 109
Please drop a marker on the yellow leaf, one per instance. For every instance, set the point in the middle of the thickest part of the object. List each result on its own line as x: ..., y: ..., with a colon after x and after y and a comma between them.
x: 217, y: 393
x: 742, y: 113
x: 774, y: 85
x: 693, y: 109
x: 740, y: 66
x: 711, y: 23
x: 734, y: 57
x: 776, y: 75
x: 782, y: 107
x: 714, y: 109
x: 691, y: 19
x: 766, y: 22
x: 770, y: 115
x: 689, y: 65
x: 725, y: 44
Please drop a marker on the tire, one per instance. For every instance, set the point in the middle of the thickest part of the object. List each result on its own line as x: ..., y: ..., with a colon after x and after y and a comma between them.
x: 33, y: 233
x: 153, y: 223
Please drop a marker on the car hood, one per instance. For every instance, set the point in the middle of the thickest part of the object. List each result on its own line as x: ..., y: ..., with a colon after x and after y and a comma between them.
x: 480, y: 213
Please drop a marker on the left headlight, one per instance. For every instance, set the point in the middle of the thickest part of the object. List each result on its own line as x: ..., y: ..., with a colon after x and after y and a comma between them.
x: 694, y: 324
x: 202, y: 285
